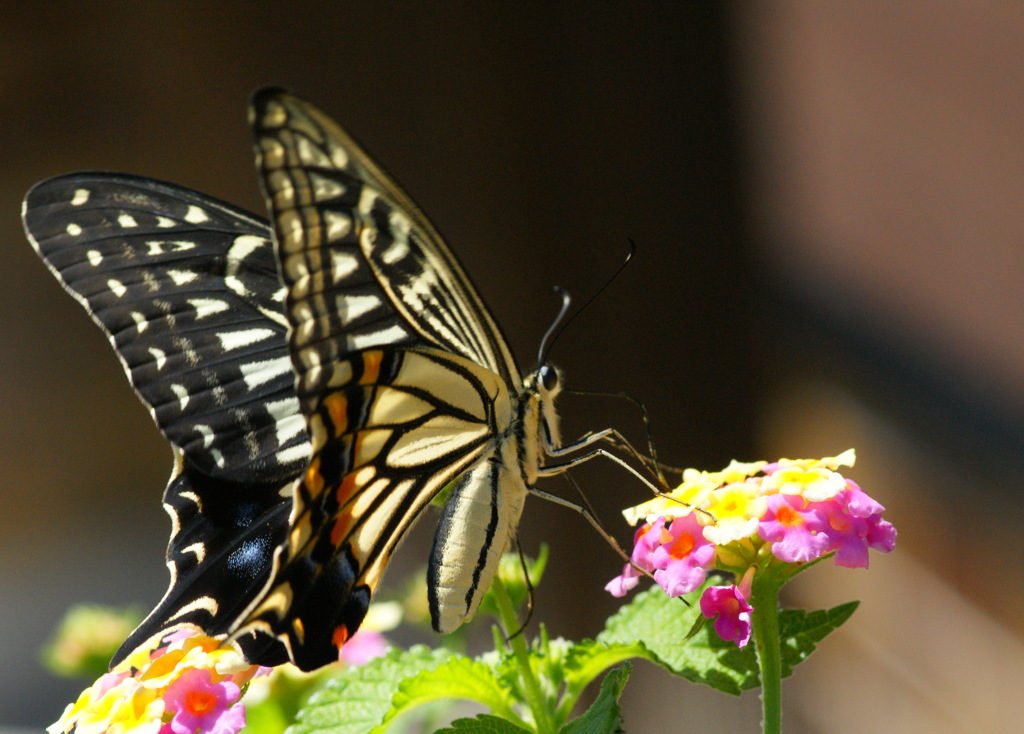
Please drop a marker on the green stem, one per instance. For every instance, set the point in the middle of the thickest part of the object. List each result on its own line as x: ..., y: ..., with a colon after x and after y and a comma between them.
x: 765, y: 620
x: 531, y: 686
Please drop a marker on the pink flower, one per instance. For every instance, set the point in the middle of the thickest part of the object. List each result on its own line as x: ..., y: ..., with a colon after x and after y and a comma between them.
x: 733, y: 613
x: 645, y: 542
x: 200, y: 705
x: 855, y: 524
x: 681, y: 557
x: 794, y: 528
x: 362, y: 647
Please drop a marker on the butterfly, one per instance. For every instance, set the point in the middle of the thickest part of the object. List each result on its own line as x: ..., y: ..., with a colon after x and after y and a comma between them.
x: 321, y: 377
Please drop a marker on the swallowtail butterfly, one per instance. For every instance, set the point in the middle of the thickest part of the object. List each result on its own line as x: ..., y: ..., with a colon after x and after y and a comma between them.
x: 320, y: 378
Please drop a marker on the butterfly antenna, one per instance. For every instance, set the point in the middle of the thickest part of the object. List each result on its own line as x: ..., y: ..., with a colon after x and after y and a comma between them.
x: 546, y: 344
x: 542, y: 353
x: 592, y: 517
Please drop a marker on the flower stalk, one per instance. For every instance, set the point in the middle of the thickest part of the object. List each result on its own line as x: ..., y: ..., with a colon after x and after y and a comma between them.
x: 765, y: 622
x: 532, y: 691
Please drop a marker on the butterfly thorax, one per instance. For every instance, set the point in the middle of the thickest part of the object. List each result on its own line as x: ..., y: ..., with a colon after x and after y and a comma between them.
x: 536, y: 425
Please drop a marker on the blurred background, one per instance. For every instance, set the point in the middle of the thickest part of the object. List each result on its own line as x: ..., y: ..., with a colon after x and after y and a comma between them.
x: 827, y: 199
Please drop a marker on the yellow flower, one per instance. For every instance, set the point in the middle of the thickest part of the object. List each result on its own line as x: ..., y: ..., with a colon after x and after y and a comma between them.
x: 814, y: 479
x: 680, y: 502
x: 736, y: 509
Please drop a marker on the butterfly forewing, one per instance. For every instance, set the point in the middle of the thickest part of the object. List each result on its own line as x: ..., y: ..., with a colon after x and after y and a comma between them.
x: 401, y: 372
x: 186, y: 289
x: 316, y: 171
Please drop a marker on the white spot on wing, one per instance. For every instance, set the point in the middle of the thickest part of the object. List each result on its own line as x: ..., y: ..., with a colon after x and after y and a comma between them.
x: 127, y: 221
x: 182, y: 394
x: 289, y: 421
x: 163, y: 247
x: 207, y: 306
x: 195, y: 215
x: 140, y: 321
x: 243, y: 246
x: 352, y: 307
x: 339, y: 157
x: 182, y: 277
x: 159, y: 356
x: 207, y: 433
x: 117, y: 287
x: 165, y: 222
x: 343, y: 264
x: 95, y: 257
x: 375, y: 338
x: 236, y: 339
x: 367, y: 199
x: 73, y: 229
x: 81, y: 196
x: 258, y: 373
x: 338, y: 225
x: 196, y: 549
x: 398, y: 250
x: 300, y: 452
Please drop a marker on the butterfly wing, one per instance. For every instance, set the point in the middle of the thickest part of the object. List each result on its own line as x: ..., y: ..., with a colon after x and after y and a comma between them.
x: 187, y: 291
x: 401, y: 371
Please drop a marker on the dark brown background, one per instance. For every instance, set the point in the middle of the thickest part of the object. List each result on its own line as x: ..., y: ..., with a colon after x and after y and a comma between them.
x: 827, y: 204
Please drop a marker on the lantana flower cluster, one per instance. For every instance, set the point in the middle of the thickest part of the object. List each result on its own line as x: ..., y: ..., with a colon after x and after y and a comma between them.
x: 191, y: 683
x: 744, y: 519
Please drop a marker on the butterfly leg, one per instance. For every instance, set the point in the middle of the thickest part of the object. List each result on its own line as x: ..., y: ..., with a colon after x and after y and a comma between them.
x: 611, y: 437
x: 587, y: 514
x: 608, y: 435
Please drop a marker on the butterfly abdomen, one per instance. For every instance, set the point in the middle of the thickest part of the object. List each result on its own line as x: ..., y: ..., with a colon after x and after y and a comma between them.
x: 475, y: 529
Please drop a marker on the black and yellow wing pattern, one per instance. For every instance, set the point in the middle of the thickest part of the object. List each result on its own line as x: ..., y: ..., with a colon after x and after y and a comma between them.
x: 344, y: 377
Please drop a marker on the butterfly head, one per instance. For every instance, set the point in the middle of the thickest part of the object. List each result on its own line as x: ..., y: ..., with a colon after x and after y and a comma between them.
x: 549, y: 380
x: 540, y: 388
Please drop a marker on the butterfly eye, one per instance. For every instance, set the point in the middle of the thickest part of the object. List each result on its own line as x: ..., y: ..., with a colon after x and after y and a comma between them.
x: 548, y: 377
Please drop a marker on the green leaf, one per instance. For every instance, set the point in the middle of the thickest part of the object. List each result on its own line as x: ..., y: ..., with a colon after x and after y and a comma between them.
x: 604, y: 716
x: 519, y: 582
x: 801, y: 630
x: 88, y: 636
x: 661, y: 624
x: 358, y: 698
x: 589, y: 658
x: 458, y: 677
x: 483, y: 724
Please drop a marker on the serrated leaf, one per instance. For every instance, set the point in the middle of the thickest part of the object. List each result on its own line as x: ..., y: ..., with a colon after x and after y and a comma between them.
x: 605, y: 715
x: 801, y: 630
x: 358, y: 698
x: 483, y: 724
x: 589, y: 658
x: 661, y: 625
x: 458, y: 677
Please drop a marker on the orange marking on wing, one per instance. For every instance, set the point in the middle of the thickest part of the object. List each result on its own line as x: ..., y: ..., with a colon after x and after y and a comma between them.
x: 313, y: 480
x: 340, y: 636
x: 346, y: 489
x: 342, y: 523
x: 337, y: 409
x: 371, y: 366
